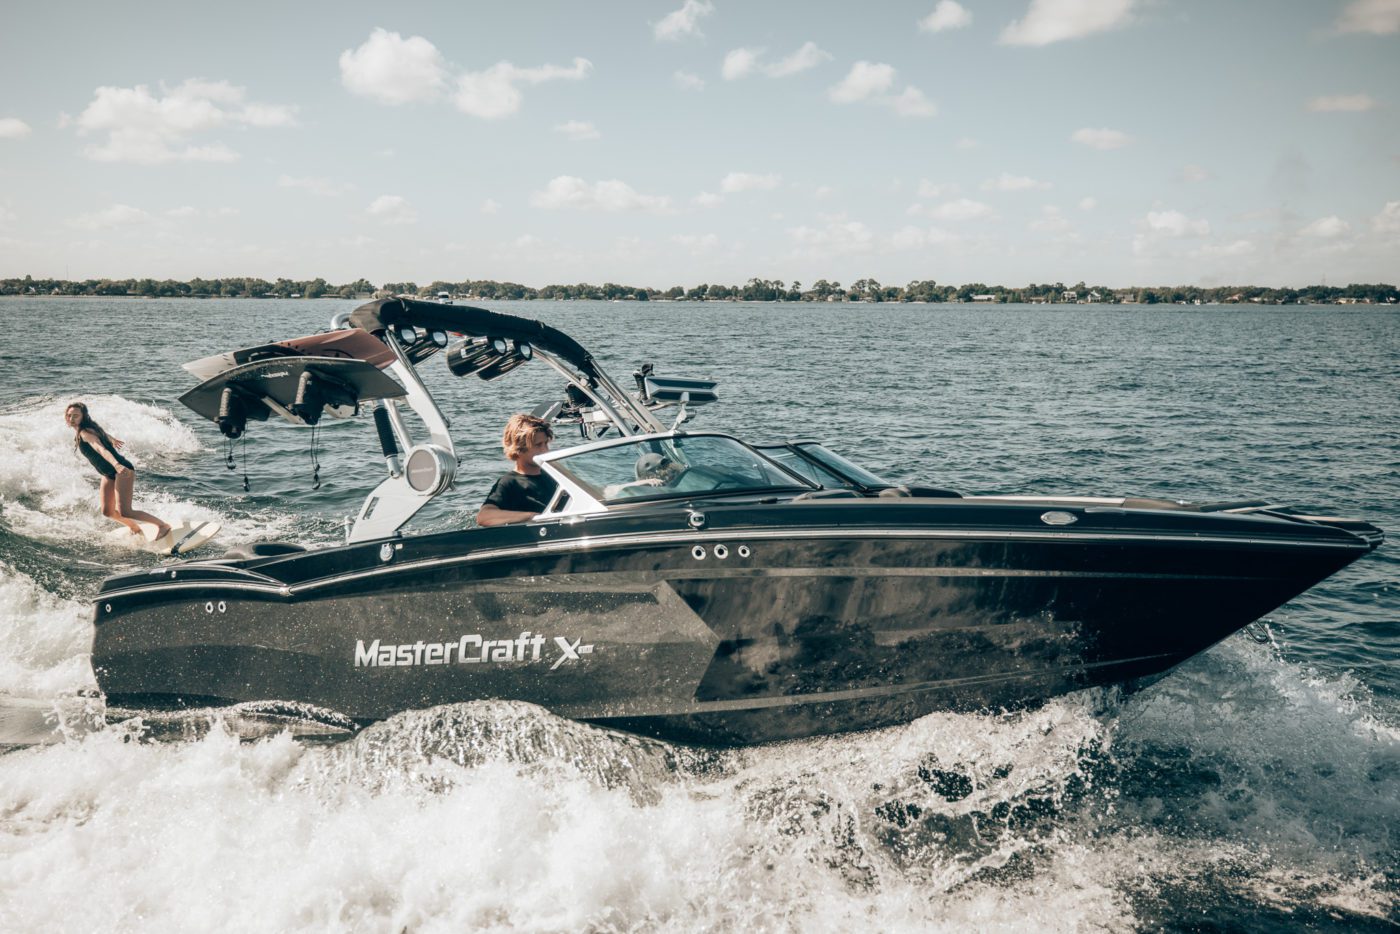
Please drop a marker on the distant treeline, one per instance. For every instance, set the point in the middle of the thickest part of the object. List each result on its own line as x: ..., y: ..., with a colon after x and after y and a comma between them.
x: 755, y: 290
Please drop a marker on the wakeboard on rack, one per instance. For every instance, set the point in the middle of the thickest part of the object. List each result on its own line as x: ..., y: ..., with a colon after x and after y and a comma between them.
x: 299, y: 388
x: 351, y: 343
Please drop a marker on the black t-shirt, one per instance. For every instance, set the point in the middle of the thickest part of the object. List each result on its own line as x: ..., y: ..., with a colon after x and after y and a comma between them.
x: 520, y: 492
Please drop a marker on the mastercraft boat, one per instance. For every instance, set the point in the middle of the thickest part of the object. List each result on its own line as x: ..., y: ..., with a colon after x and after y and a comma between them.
x: 680, y: 584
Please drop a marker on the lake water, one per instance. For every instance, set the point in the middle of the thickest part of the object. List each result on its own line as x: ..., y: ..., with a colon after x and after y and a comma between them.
x: 1255, y: 788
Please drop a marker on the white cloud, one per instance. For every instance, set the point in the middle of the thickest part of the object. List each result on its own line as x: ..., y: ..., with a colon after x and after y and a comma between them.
x: 928, y: 189
x: 1388, y: 220
x: 823, y: 191
x: 14, y: 128
x: 525, y: 241
x: 1050, y: 221
x: 391, y: 209
x: 1102, y: 138
x: 1175, y: 224
x: 696, y: 243
x: 267, y: 115
x: 911, y: 102
x: 739, y: 62
x: 189, y: 211
x: 578, y: 130
x: 115, y: 216
x: 962, y: 209
x: 1378, y: 17
x: 865, y: 80
x: 689, y: 82
x: 393, y: 70
x: 566, y: 191
x: 7, y: 216
x: 967, y: 142
x: 1088, y: 203
x: 1326, y: 228
x: 1008, y: 182
x: 706, y: 199
x: 684, y: 22
x: 837, y: 236
x: 959, y: 209
x: 918, y: 238
x: 872, y: 82
x: 150, y: 130
x: 1194, y: 173
x: 947, y: 15
x: 494, y: 93
x: 490, y: 206
x: 1048, y: 21
x: 809, y: 56
x: 316, y: 185
x: 1233, y: 248
x: 748, y: 181
x: 1341, y: 103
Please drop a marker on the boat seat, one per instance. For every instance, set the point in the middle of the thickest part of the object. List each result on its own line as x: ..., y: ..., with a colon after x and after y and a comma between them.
x: 932, y: 492
x: 1143, y: 502
x: 261, y: 550
x: 922, y: 492
x: 825, y: 494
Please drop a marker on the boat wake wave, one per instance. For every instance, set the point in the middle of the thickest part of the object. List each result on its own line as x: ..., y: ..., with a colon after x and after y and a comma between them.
x: 1118, y: 810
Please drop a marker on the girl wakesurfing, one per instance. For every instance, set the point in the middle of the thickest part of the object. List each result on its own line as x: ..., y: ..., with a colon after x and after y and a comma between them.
x: 118, y: 473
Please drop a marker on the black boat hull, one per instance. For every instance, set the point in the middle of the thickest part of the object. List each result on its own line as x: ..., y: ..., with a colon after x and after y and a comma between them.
x: 749, y: 629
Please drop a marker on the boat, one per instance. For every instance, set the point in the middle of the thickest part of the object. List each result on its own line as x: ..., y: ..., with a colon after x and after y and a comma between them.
x: 681, y: 584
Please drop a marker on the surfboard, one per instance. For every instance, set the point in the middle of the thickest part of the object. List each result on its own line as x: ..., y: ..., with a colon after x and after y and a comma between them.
x: 182, y: 538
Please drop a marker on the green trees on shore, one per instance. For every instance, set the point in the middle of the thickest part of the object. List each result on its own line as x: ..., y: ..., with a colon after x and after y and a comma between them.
x: 755, y: 290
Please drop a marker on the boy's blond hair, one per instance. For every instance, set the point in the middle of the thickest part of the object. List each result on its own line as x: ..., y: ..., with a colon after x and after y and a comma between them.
x: 521, y: 431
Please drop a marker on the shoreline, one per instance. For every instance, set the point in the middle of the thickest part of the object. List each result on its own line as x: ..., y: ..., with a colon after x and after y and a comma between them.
x: 1300, y: 303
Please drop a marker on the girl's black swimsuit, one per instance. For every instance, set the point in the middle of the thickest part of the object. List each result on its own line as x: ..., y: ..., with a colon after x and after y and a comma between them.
x: 103, y: 466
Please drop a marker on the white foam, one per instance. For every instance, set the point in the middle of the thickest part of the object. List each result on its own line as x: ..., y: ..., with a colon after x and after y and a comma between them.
x: 503, y: 816
x: 263, y: 836
x: 44, y: 639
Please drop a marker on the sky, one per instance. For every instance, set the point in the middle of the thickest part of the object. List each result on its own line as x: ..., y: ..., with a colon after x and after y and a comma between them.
x: 675, y: 142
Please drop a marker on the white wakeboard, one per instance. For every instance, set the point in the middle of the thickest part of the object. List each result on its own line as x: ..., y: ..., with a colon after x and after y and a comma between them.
x: 182, y: 538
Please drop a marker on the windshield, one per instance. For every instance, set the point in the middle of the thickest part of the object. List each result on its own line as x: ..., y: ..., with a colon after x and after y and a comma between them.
x: 836, y: 462
x: 803, y: 467
x: 684, y: 465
